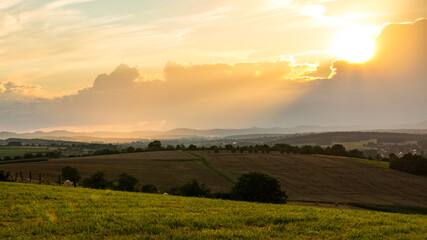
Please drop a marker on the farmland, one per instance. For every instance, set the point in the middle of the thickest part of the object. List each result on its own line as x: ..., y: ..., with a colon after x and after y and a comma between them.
x: 31, y: 211
x: 20, y: 151
x: 315, y: 178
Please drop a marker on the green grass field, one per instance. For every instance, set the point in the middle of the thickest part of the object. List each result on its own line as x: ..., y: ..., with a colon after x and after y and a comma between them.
x: 40, y: 159
x: 362, y: 160
x: 20, y: 151
x: 31, y: 211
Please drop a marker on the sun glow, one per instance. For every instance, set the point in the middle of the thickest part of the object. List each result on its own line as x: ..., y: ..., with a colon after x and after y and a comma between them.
x: 355, y: 44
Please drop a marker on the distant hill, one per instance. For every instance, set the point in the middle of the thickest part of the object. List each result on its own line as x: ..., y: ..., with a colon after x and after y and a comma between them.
x: 121, y: 137
x: 329, y: 138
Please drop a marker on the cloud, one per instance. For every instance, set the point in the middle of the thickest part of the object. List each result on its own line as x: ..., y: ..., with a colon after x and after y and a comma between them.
x: 63, y: 3
x: 12, y: 91
x: 388, y: 89
x: 188, y: 95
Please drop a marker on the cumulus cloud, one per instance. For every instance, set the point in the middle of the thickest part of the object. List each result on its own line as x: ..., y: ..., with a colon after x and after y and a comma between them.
x: 388, y: 89
x: 188, y: 95
x: 13, y: 91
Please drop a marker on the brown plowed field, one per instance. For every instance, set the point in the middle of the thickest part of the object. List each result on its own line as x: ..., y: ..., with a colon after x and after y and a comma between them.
x: 304, y: 177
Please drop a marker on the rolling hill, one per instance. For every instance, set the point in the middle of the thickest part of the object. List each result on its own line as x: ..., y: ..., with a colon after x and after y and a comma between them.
x: 31, y: 211
x: 304, y: 177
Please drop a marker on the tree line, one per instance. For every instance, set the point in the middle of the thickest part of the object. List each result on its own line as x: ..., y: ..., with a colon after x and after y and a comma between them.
x: 252, y: 187
x: 410, y: 163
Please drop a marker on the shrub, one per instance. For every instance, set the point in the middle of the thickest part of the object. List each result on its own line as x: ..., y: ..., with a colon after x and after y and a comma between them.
x: 149, y: 188
x: 258, y: 187
x: 72, y: 174
x: 97, y: 181
x: 194, y: 189
x: 4, y: 175
x: 126, y: 182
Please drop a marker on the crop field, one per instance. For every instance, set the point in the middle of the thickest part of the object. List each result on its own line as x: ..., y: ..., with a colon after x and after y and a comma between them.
x: 326, y: 178
x: 308, y: 178
x: 20, y: 151
x: 165, y: 169
x: 31, y: 211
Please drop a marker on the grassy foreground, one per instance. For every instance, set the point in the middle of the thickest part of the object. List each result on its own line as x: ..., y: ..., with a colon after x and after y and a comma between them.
x: 30, y: 211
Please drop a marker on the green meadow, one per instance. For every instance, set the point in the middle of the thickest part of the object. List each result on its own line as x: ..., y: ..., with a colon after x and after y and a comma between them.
x: 362, y: 160
x: 31, y: 211
x: 20, y: 151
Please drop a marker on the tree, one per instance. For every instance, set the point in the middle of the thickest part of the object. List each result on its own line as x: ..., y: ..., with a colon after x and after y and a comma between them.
x: 192, y: 147
x: 338, y: 150
x: 409, y: 163
x: 126, y: 182
x: 72, y: 174
x: 258, y: 187
x: 97, y: 181
x: 194, y: 189
x: 14, y: 144
x: 155, y: 145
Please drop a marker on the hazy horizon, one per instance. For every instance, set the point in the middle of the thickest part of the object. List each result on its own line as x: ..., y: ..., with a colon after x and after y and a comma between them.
x: 69, y: 64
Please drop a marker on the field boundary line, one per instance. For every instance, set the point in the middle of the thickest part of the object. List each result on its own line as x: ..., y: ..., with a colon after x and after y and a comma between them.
x: 207, y: 165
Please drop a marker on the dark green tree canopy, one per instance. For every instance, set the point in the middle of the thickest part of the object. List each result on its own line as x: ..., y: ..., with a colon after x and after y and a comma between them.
x: 155, y: 145
x: 97, y: 181
x: 258, y: 187
x: 126, y: 182
x: 149, y: 188
x: 70, y: 173
x: 194, y: 189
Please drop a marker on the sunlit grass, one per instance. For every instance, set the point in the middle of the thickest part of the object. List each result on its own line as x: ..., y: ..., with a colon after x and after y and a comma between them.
x: 30, y: 211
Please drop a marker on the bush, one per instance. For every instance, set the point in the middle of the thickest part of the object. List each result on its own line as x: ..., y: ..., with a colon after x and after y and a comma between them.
x: 4, y: 175
x: 72, y: 174
x: 258, y: 187
x: 126, y: 182
x: 193, y: 189
x: 97, y: 181
x: 104, y: 152
x: 149, y: 188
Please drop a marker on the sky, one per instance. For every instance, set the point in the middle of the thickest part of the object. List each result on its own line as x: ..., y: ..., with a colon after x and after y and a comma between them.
x: 92, y: 65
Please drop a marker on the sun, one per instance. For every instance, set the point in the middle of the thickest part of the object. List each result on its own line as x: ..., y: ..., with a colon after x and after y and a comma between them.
x: 355, y: 44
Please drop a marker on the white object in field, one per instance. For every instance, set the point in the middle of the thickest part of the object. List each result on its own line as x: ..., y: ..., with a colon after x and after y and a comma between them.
x: 68, y: 183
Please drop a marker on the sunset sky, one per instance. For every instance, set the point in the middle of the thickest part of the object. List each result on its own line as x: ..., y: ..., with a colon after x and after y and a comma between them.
x: 90, y: 65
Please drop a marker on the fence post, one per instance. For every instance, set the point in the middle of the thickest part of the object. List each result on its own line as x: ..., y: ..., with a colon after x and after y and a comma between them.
x: 22, y: 178
x: 30, y: 177
x: 40, y: 178
x: 59, y: 179
x: 16, y: 177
